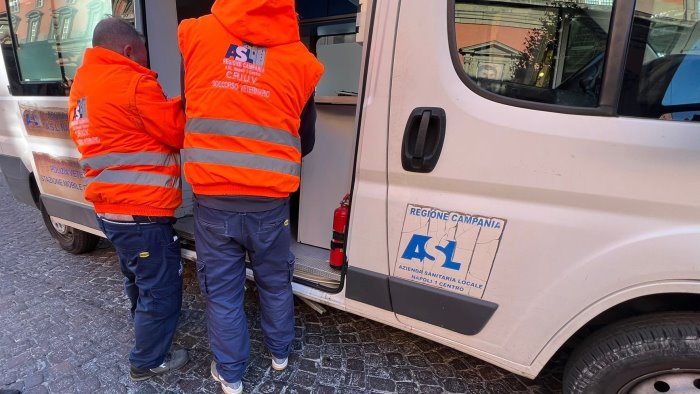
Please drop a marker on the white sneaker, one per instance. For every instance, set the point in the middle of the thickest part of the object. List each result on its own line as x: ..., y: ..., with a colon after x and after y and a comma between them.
x: 279, y: 364
x: 229, y: 388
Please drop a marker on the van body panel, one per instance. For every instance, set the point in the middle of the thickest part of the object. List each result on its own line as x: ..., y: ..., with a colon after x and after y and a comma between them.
x: 342, y: 302
x: 17, y: 177
x: 12, y: 142
x: 583, y: 220
x: 70, y: 211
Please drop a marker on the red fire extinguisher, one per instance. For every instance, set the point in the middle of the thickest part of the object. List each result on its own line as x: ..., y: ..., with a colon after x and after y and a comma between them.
x: 340, y: 223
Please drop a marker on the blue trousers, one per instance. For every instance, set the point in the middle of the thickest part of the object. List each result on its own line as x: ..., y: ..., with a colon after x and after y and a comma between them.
x: 223, y: 239
x: 149, y: 258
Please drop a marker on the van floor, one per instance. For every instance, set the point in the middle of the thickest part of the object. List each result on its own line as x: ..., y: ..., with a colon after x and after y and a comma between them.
x: 311, y: 262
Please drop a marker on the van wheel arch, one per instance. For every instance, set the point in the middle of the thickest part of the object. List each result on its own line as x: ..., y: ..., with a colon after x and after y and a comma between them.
x: 34, y: 189
x: 69, y: 239
x: 649, y: 304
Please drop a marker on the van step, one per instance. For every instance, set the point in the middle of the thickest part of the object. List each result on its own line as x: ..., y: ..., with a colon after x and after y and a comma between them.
x: 185, y: 227
x: 312, y: 264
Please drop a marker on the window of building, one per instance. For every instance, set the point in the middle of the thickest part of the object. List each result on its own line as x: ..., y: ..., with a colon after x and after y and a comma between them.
x: 52, y: 45
x: 65, y: 27
x: 61, y: 28
x: 39, y: 3
x: 545, y: 51
x: 662, y: 72
x: 33, y: 30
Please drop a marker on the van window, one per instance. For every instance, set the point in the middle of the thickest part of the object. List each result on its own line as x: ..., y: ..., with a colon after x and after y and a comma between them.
x: 332, y: 38
x: 662, y: 73
x: 535, y: 50
x: 43, y: 41
x: 340, y: 55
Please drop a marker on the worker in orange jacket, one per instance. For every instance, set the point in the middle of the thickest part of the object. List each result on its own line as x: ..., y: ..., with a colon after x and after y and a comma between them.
x: 129, y: 136
x: 248, y: 83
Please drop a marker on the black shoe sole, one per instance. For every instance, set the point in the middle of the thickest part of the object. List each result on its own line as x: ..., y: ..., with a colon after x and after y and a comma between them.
x: 140, y: 378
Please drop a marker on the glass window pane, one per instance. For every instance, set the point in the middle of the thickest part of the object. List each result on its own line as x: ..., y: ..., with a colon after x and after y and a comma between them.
x: 662, y: 73
x: 340, y: 56
x: 50, y: 37
x: 536, y: 50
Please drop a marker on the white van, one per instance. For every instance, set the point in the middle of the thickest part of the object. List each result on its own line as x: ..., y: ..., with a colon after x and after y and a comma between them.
x: 523, y: 173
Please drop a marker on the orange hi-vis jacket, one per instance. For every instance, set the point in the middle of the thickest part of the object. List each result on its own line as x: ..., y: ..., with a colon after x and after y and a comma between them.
x: 128, y: 134
x: 247, y: 79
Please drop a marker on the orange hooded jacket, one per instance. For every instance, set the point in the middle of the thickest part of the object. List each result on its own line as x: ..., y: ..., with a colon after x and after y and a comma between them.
x: 128, y: 134
x: 247, y: 79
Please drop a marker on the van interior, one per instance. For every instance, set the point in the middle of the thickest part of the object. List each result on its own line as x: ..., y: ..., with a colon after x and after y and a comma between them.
x: 328, y: 29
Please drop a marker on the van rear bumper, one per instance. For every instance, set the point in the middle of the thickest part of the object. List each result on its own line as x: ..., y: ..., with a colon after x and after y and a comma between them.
x: 18, y: 179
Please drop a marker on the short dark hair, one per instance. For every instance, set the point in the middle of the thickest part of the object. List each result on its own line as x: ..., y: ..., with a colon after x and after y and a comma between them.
x: 115, y: 33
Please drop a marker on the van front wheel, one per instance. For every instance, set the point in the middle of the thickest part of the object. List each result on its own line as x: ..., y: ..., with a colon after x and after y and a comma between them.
x: 70, y: 239
x: 656, y: 353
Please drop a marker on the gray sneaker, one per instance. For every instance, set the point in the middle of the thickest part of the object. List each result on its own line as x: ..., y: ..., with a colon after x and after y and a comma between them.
x: 279, y: 364
x: 173, y: 361
x: 229, y: 388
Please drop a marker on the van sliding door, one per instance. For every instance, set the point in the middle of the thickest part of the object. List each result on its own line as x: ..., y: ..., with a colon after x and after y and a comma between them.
x: 518, y: 200
x: 487, y: 142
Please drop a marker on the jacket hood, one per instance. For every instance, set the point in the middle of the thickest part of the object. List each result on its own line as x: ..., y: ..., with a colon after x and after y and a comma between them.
x: 263, y: 23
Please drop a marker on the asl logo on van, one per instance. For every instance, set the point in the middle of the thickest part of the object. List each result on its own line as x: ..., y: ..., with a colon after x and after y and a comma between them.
x: 453, y: 251
x: 417, y: 249
x: 247, y: 54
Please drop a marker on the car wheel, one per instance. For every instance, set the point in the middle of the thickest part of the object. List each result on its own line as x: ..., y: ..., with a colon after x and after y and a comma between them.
x: 70, y: 239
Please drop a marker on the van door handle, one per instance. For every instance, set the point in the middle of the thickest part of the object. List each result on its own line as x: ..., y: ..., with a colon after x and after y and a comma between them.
x: 423, y: 139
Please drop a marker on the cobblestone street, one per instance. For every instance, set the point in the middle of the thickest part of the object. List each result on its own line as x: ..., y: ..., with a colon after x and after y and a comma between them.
x: 65, y: 328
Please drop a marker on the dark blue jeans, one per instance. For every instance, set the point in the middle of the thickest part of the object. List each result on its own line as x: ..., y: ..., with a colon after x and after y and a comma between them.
x: 149, y: 257
x: 223, y: 239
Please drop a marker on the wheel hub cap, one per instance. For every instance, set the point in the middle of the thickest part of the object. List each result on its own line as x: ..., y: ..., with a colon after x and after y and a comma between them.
x: 677, y: 381
x: 59, y: 227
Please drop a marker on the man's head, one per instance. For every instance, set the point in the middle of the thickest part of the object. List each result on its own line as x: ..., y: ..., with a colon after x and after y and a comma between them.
x: 119, y: 36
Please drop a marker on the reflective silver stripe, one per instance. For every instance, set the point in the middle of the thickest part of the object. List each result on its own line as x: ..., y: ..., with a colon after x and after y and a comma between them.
x: 245, y: 160
x: 136, y: 178
x: 137, y: 158
x: 242, y: 129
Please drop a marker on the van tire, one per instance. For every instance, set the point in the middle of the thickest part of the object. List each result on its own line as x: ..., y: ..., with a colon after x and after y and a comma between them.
x: 658, y: 351
x: 70, y: 239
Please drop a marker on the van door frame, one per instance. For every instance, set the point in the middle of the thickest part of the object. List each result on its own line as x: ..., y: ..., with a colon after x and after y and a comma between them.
x: 367, y: 22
